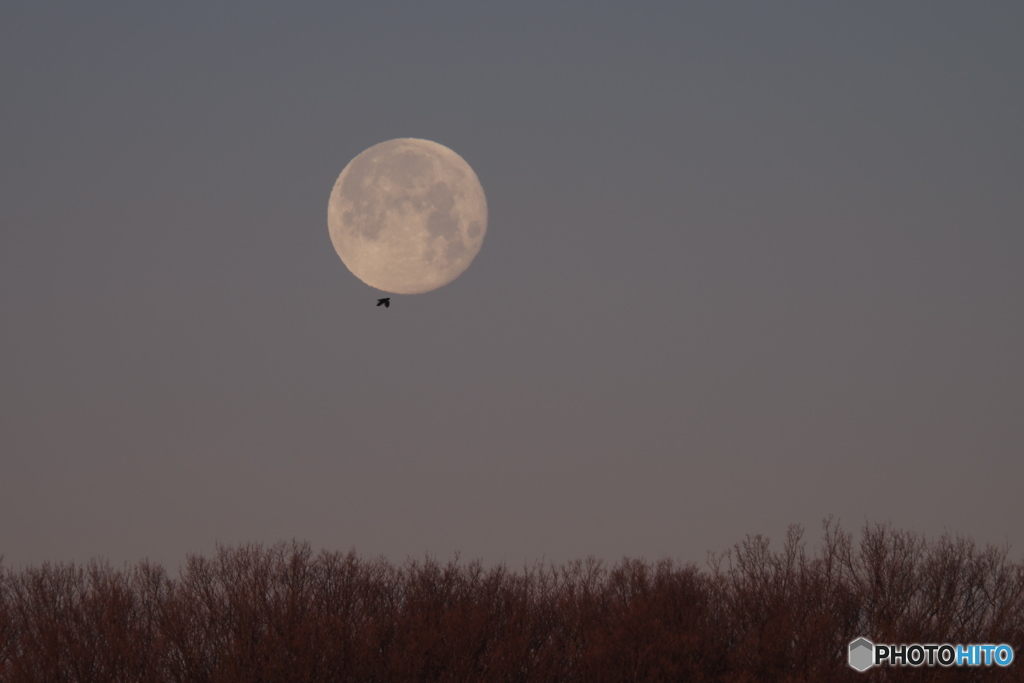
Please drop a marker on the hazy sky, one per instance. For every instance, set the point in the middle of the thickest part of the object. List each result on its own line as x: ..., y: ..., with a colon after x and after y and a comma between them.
x: 747, y: 265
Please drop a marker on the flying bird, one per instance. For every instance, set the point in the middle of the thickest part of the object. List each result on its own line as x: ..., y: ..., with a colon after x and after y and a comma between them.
x: 386, y: 301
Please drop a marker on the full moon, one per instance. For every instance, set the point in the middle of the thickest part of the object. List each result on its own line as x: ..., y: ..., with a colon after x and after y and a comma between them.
x: 407, y: 216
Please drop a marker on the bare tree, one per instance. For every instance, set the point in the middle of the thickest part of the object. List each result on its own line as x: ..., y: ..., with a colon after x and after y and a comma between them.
x: 256, y: 613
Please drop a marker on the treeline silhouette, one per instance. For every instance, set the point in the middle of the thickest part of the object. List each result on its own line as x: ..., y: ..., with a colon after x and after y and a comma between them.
x: 285, y: 613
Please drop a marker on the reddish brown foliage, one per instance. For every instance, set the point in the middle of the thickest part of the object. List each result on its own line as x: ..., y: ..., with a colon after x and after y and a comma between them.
x: 283, y: 613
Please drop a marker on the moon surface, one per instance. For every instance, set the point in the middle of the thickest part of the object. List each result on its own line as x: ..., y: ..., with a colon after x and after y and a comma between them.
x: 407, y: 216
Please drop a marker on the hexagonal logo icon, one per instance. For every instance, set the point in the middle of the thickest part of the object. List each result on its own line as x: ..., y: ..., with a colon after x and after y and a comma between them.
x: 862, y: 654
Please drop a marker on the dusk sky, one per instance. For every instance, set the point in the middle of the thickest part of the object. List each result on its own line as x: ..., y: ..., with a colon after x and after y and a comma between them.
x: 746, y: 265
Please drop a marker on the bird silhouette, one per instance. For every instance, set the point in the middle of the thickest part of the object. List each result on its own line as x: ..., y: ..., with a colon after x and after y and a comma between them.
x: 386, y: 301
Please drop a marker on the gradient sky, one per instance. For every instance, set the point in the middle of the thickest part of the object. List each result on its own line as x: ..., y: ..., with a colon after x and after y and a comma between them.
x: 747, y: 265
